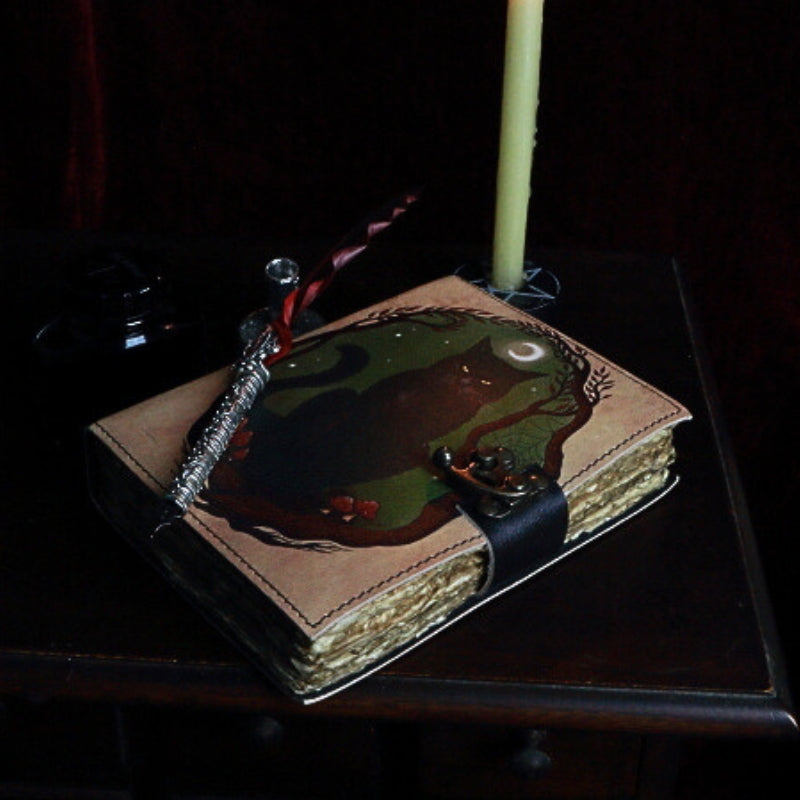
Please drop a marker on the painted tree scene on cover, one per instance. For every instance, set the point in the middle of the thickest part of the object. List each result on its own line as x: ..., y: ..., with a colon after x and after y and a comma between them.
x: 338, y: 452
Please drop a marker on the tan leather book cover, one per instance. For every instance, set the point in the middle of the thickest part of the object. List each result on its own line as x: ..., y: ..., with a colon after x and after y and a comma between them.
x: 328, y: 498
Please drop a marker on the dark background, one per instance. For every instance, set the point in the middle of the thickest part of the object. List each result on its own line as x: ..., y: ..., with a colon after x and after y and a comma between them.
x: 667, y: 127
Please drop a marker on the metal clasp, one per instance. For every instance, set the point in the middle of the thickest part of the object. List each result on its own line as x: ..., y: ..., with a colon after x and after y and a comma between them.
x: 492, y: 475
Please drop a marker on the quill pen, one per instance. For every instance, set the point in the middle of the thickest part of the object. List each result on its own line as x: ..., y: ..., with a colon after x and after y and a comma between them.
x: 250, y: 374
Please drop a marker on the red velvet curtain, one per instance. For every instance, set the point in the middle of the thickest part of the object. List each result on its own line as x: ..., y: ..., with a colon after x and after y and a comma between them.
x: 85, y: 171
x: 245, y: 116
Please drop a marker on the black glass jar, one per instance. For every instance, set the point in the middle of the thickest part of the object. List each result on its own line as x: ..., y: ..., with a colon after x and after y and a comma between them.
x: 119, y: 339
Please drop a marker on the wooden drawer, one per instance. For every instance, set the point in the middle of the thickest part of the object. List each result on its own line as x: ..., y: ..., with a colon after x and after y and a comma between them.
x: 69, y: 749
x: 187, y: 753
x: 59, y: 749
x: 459, y: 761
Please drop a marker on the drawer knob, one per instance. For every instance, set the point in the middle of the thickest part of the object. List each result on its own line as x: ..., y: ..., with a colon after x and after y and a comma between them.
x: 529, y: 760
x: 268, y: 732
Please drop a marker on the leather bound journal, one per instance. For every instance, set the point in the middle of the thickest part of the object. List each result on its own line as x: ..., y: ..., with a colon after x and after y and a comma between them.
x: 404, y: 465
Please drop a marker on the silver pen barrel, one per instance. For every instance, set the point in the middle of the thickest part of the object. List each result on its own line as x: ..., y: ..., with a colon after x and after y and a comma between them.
x: 250, y: 378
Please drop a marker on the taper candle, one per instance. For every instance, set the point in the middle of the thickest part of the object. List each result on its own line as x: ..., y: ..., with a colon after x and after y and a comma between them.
x: 517, y: 135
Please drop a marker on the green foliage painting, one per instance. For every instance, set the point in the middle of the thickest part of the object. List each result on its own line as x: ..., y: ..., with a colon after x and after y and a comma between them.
x: 338, y: 452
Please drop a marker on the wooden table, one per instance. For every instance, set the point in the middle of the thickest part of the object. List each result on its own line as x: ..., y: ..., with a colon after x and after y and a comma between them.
x: 659, y: 631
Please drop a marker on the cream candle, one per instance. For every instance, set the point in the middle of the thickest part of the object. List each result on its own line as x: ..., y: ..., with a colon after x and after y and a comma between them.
x: 517, y: 135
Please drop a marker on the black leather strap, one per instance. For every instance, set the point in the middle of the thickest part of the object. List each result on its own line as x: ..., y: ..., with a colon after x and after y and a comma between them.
x: 525, y: 538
